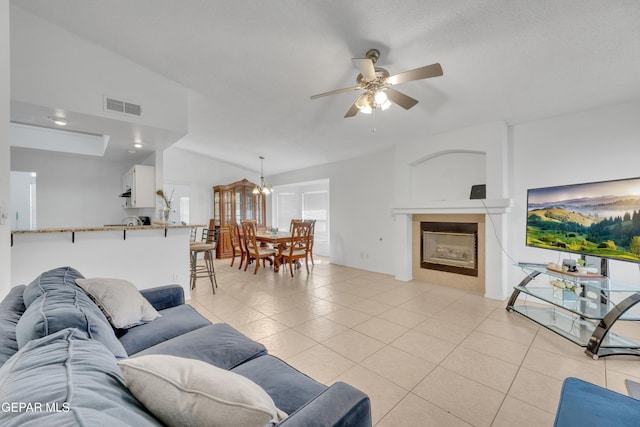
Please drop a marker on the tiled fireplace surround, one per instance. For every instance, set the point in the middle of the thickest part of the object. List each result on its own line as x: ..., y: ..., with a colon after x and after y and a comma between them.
x: 433, y: 183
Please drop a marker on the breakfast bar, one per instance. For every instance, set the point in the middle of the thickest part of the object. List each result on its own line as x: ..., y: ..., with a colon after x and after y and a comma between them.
x: 143, y: 255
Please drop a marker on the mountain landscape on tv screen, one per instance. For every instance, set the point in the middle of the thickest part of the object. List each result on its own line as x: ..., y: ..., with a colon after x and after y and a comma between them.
x: 604, y: 226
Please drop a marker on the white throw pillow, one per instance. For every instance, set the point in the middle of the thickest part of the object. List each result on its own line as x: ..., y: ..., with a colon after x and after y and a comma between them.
x: 180, y: 391
x: 120, y: 301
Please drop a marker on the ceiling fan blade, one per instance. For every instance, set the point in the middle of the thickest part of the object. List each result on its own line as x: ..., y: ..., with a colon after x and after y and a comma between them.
x: 353, y: 110
x: 365, y: 65
x: 334, y: 92
x: 433, y: 70
x: 400, y: 98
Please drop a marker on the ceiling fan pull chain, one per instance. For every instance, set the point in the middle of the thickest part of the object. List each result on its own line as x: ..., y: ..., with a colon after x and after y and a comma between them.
x: 373, y: 117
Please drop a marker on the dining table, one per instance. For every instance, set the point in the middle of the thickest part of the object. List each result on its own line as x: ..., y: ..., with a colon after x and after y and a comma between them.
x: 278, y: 240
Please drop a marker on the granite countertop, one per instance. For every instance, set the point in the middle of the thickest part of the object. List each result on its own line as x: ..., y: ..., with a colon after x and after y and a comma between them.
x: 155, y: 226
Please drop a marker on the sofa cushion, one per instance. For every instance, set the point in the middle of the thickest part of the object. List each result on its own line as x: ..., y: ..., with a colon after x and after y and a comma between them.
x: 61, y: 279
x: 119, y: 300
x: 588, y: 405
x: 218, y: 344
x: 67, y: 379
x: 182, y: 391
x: 290, y: 391
x: 11, y: 308
x: 174, y: 321
x: 56, y: 310
x: 162, y: 297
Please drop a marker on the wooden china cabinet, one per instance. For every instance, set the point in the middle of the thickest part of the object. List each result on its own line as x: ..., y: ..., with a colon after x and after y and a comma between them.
x: 233, y: 203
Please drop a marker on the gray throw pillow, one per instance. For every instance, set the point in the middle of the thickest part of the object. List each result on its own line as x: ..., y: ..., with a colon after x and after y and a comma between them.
x: 180, y: 391
x: 120, y: 301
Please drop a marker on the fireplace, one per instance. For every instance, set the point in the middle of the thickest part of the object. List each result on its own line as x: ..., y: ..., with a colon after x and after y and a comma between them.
x: 443, y: 275
x: 450, y: 247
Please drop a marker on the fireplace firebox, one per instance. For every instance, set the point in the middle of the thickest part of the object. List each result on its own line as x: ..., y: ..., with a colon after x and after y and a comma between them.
x: 450, y: 247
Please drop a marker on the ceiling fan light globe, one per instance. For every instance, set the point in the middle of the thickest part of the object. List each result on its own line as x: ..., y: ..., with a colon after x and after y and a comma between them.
x: 361, y: 102
x: 381, y: 97
x: 385, y: 105
x: 366, y: 109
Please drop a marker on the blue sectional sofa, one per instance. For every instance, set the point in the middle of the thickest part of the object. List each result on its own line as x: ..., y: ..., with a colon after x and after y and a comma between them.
x: 59, y: 354
x: 588, y: 405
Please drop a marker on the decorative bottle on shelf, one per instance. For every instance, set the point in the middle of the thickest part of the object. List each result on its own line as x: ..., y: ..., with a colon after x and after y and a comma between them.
x: 166, y: 210
x: 165, y: 215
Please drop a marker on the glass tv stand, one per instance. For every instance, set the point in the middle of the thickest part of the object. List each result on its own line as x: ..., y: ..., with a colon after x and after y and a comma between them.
x: 581, y: 308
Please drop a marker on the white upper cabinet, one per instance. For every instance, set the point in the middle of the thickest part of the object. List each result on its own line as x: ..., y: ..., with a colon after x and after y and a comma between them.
x: 139, y: 182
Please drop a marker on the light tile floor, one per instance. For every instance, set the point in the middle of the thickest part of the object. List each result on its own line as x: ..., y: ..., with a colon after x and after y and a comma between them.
x: 425, y: 354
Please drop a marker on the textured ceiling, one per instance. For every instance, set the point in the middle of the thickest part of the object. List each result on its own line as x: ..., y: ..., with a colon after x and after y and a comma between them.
x: 252, y: 65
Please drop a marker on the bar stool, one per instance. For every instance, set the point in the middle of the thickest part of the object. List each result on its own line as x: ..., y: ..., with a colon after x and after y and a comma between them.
x: 208, y: 247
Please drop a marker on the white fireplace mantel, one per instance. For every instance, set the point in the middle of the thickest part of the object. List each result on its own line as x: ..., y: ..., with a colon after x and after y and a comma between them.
x: 470, y: 206
x: 495, y: 264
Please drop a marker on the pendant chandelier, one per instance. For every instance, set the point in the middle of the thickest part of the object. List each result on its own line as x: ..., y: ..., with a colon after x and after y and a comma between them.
x: 262, y: 188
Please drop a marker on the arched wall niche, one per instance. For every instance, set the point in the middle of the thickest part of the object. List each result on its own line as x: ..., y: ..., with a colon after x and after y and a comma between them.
x: 447, y: 175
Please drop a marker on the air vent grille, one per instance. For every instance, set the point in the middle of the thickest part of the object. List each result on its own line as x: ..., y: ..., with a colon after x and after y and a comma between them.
x: 134, y: 109
x: 119, y: 106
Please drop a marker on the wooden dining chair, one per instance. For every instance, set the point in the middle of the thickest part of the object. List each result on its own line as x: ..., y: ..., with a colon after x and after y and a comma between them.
x: 237, y: 246
x: 298, y: 247
x: 311, y: 238
x: 254, y: 250
x: 293, y: 221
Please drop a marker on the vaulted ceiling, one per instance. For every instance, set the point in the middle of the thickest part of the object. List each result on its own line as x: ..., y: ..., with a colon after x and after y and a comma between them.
x: 252, y: 65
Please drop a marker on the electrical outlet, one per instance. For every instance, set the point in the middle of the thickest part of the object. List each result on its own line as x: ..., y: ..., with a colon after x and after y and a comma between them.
x: 4, y: 215
x: 175, y: 277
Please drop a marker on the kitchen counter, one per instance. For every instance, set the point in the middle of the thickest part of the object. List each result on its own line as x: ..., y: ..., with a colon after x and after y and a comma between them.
x: 147, y: 255
x: 114, y: 227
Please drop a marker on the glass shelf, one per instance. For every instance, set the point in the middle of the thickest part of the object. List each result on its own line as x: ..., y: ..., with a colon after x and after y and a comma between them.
x: 571, y: 327
x: 591, y: 281
x: 590, y: 308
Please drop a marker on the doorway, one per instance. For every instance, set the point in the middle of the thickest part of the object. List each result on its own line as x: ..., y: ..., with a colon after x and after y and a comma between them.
x: 23, y: 201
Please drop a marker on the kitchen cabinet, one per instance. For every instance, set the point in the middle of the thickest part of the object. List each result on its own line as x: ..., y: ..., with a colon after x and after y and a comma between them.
x: 233, y: 203
x: 138, y: 186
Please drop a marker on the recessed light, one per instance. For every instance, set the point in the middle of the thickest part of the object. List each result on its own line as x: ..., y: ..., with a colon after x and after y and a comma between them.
x: 60, y: 121
x: 132, y: 151
x: 137, y: 144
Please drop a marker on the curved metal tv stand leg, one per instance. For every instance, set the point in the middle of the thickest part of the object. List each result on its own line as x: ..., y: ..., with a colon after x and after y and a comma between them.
x: 516, y: 292
x: 605, y: 325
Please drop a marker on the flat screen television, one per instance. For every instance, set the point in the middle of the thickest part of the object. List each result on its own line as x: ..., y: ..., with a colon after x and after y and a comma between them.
x: 600, y: 219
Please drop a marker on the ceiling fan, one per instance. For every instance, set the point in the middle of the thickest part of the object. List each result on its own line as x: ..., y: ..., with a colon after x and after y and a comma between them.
x: 376, y: 83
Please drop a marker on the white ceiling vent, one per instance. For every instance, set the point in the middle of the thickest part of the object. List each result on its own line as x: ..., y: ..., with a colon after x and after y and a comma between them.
x: 124, y: 107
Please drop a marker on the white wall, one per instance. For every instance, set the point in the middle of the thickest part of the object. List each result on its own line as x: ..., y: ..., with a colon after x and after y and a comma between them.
x: 201, y: 173
x: 5, y: 230
x: 456, y: 172
x: 74, y: 190
x: 486, y: 142
x: 360, y: 190
x: 594, y: 145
